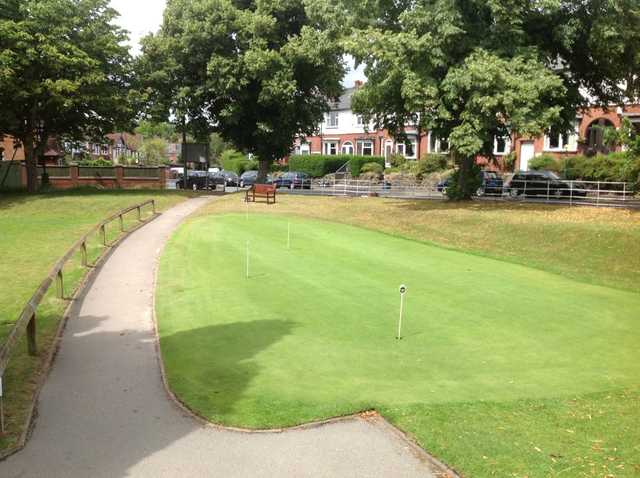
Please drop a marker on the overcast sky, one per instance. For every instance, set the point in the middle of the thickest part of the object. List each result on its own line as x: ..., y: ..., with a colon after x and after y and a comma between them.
x: 140, y: 17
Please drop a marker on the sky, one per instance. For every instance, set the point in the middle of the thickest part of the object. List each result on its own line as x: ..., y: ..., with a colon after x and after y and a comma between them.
x: 140, y: 17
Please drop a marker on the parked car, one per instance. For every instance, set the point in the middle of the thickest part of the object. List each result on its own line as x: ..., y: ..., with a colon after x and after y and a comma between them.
x: 226, y: 178
x: 249, y: 178
x: 196, y: 180
x: 543, y: 183
x: 293, y: 180
x: 492, y: 184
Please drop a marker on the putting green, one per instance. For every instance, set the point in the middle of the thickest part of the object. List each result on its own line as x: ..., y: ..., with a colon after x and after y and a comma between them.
x: 311, y: 333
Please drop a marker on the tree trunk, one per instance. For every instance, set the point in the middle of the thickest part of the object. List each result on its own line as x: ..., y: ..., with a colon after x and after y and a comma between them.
x: 464, y: 177
x: 263, y: 171
x: 31, y: 161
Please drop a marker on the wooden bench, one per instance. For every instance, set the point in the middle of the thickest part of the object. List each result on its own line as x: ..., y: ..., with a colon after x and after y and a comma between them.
x: 266, y: 191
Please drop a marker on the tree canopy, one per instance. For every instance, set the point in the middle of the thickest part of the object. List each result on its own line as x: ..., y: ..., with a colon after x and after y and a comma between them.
x: 473, y: 70
x: 257, y: 72
x: 64, y: 73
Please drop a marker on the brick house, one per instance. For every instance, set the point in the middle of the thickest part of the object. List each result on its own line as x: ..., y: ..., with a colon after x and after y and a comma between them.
x: 50, y: 157
x: 343, y: 132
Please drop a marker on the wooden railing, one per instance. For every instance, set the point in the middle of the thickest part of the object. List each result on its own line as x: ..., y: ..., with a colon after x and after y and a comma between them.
x: 27, y: 319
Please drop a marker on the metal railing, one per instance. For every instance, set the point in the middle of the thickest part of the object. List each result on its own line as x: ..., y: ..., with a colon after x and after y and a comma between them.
x: 593, y: 193
x: 27, y: 319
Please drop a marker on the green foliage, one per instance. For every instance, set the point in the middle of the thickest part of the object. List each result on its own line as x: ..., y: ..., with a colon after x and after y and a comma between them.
x: 397, y: 160
x: 509, y: 161
x: 94, y: 163
x: 356, y: 163
x: 432, y: 163
x: 545, y: 162
x: 459, y: 190
x: 232, y: 160
x: 217, y: 146
x: 164, y: 130
x: 258, y: 73
x: 65, y: 73
x: 154, y: 151
x: 374, y: 168
x: 479, y: 70
x: 317, y: 165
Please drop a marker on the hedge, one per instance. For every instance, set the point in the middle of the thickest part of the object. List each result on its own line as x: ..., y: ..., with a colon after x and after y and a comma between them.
x: 316, y: 165
x: 611, y: 167
x: 237, y: 162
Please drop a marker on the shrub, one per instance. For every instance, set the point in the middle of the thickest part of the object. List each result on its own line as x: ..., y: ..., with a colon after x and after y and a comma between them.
x: 397, y: 160
x: 432, y: 163
x: 316, y: 165
x: 545, y: 162
x: 356, y: 163
x: 232, y: 160
x: 472, y: 184
x: 373, y: 168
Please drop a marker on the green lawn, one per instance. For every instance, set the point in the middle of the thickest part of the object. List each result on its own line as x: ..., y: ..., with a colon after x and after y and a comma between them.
x: 504, y: 370
x: 35, y: 231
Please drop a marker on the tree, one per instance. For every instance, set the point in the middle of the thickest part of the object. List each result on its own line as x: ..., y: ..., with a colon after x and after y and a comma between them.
x: 474, y: 70
x: 63, y: 73
x: 164, y: 130
x: 256, y: 72
x: 155, y: 151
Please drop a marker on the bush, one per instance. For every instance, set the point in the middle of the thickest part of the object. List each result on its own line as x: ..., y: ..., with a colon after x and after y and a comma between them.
x: 373, y: 168
x: 473, y: 183
x: 544, y: 162
x: 316, y: 165
x: 232, y: 160
x: 356, y: 163
x: 95, y: 163
x: 432, y: 163
x: 397, y: 160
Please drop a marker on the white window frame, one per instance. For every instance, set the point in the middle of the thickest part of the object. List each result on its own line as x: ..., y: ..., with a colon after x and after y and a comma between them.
x: 436, y: 147
x: 305, y: 149
x: 345, y: 145
x: 328, y: 146
x: 331, y: 116
x: 360, y: 146
x: 507, y: 146
x: 359, y: 120
x: 569, y: 144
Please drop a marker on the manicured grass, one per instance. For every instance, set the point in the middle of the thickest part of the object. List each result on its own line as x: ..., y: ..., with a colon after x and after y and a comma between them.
x: 504, y: 370
x: 35, y: 231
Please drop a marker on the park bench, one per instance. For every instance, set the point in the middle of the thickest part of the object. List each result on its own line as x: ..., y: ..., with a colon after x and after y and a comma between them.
x: 266, y: 191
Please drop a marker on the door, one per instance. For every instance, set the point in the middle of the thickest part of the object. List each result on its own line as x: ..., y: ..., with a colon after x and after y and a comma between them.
x: 527, y: 152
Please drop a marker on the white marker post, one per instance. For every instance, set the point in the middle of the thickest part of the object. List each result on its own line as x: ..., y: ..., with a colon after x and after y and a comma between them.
x: 403, y: 291
x: 247, y: 259
x: 289, y: 235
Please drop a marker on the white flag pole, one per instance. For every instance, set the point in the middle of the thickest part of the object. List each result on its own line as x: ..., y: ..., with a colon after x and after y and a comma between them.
x: 403, y: 291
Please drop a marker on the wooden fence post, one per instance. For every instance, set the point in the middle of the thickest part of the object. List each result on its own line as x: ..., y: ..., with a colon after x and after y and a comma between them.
x: 31, y: 335
x: 60, y: 282
x: 104, y: 234
x: 139, y: 214
x: 121, y: 224
x: 153, y: 205
x: 83, y: 252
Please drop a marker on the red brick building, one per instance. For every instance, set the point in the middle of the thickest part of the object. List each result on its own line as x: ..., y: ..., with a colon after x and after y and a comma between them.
x: 343, y: 132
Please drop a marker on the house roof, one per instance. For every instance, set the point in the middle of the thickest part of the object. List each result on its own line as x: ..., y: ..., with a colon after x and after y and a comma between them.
x: 131, y: 141
x: 344, y: 102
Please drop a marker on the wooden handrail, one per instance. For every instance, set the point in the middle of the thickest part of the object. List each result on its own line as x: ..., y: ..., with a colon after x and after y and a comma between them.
x: 27, y: 319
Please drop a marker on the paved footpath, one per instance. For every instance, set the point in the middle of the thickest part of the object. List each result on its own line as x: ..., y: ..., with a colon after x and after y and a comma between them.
x: 103, y: 411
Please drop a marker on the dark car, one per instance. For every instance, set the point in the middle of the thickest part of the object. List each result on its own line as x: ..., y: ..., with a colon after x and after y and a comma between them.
x: 226, y: 178
x: 195, y: 180
x: 492, y: 184
x: 249, y: 178
x: 293, y: 180
x: 543, y: 183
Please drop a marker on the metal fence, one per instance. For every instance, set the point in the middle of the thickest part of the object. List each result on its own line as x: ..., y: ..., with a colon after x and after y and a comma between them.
x: 591, y: 193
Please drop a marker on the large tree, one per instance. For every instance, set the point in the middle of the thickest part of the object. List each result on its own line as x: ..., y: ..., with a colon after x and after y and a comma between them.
x: 257, y: 72
x: 64, y: 73
x: 476, y: 69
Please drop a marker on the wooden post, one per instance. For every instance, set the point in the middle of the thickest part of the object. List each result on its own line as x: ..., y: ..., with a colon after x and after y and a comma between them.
x: 139, y: 214
x: 31, y: 335
x: 60, y: 282
x: 103, y: 230
x: 153, y: 205
x: 121, y: 223
x: 83, y: 252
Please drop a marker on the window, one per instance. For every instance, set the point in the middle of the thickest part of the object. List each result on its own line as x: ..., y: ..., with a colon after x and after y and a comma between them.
x: 408, y: 150
x: 332, y: 119
x: 359, y: 120
x: 596, y: 136
x: 501, y: 145
x: 330, y: 148
x: 556, y: 140
x: 305, y: 149
x: 347, y: 148
x: 365, y: 147
x: 437, y: 146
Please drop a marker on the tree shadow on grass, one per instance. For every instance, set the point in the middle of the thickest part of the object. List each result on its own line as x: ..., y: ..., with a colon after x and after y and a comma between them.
x: 489, y: 205
x: 209, y: 368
